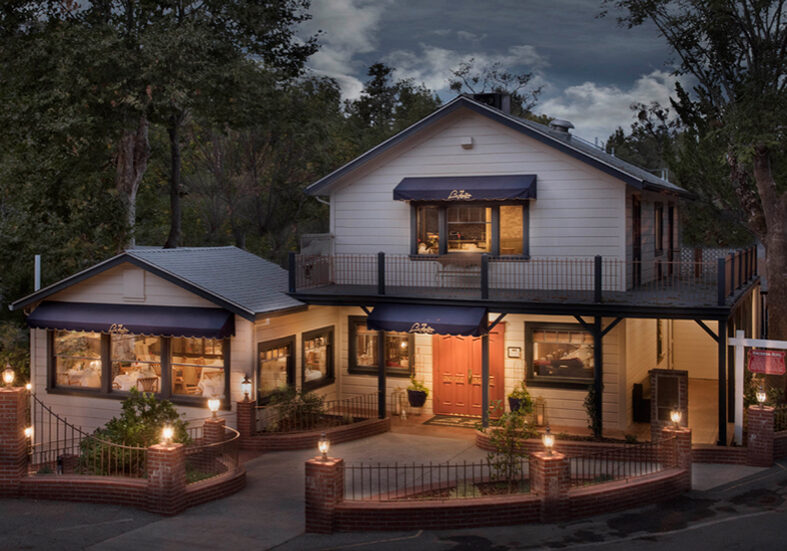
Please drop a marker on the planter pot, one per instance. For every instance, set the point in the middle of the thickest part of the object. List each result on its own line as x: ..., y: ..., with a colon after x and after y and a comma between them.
x: 514, y: 403
x: 417, y: 398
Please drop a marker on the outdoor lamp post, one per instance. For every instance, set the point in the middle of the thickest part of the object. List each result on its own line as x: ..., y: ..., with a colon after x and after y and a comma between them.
x: 675, y: 416
x: 166, y: 434
x: 8, y: 375
x: 761, y: 397
x: 29, y: 387
x: 323, y: 445
x: 29, y: 432
x: 213, y: 405
x: 549, y: 440
x: 245, y: 387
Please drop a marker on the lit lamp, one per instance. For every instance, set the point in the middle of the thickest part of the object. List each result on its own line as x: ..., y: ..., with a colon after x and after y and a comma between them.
x: 675, y: 416
x: 549, y: 440
x: 8, y: 375
x: 29, y: 432
x: 166, y: 434
x: 245, y: 387
x: 323, y: 445
x: 28, y: 387
x: 761, y: 397
x: 213, y: 405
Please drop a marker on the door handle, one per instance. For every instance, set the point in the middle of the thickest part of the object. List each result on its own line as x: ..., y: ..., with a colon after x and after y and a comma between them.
x: 469, y: 376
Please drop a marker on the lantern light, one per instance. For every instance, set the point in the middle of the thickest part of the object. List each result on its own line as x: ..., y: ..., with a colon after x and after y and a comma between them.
x: 166, y: 434
x: 8, y: 375
x: 323, y: 445
x: 761, y: 397
x: 675, y: 416
x: 29, y: 432
x: 28, y: 387
x: 549, y: 440
x: 213, y: 405
x: 245, y: 387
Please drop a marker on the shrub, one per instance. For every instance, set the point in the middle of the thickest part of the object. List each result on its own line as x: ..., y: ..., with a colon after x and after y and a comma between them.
x: 525, y: 401
x: 506, y: 433
x: 297, y: 409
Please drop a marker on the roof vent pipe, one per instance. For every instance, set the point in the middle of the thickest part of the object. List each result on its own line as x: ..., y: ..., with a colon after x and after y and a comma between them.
x: 37, y: 273
x: 561, y: 125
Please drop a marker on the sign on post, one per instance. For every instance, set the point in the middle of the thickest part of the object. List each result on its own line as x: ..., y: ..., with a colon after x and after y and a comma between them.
x: 767, y: 362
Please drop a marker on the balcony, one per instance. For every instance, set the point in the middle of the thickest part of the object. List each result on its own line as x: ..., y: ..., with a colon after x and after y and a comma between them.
x: 691, y: 278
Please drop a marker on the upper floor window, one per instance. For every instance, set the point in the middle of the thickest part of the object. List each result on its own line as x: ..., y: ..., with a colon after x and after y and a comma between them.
x: 494, y: 229
x: 658, y: 227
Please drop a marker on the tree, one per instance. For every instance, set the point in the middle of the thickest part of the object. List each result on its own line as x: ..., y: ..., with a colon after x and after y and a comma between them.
x: 468, y: 77
x: 736, y: 53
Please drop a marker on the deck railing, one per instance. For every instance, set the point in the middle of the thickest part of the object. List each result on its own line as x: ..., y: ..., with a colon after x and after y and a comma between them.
x: 620, y: 463
x: 398, y: 482
x: 708, y: 275
x: 293, y: 417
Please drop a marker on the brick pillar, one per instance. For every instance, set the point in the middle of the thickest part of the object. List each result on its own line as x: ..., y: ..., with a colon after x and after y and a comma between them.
x: 246, y: 420
x: 213, y: 430
x: 166, y: 490
x: 549, y: 479
x: 675, y: 451
x: 13, y: 443
x: 669, y: 388
x: 759, y: 444
x: 324, y: 489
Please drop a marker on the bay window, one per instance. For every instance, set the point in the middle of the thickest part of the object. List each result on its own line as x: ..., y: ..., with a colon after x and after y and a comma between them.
x: 364, y: 350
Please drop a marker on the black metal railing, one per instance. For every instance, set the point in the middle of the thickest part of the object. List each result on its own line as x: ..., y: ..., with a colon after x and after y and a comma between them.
x: 398, y: 482
x: 619, y: 463
x: 296, y: 415
x: 780, y: 418
x: 206, y: 460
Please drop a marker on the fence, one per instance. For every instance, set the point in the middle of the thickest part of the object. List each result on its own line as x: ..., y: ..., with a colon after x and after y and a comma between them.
x: 61, y: 447
x: 780, y: 418
x: 622, y: 463
x: 296, y: 415
x: 206, y: 460
x: 433, y: 481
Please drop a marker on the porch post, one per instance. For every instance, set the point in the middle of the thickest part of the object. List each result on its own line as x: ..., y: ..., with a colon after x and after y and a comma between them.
x: 598, y: 374
x: 485, y: 379
x: 722, y: 353
x: 381, y: 375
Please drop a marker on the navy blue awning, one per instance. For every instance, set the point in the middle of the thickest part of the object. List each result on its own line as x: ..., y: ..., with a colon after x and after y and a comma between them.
x: 467, y: 188
x: 168, y: 321
x: 440, y: 320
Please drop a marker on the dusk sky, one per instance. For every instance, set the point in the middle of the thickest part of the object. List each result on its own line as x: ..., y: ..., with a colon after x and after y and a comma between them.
x: 591, y: 68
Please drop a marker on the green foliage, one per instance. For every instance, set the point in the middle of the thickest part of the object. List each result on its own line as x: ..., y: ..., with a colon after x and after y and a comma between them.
x: 521, y: 393
x: 506, y: 434
x: 417, y: 385
x: 297, y: 410
x: 772, y: 385
x: 594, y: 422
x: 473, y: 78
x: 15, y: 348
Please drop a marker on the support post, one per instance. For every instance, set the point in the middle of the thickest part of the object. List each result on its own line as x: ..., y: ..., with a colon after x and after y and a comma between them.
x: 381, y: 273
x: 485, y: 380
x: 720, y: 283
x: 166, y: 491
x: 291, y: 264
x: 759, y: 448
x: 246, y: 421
x: 213, y: 430
x: 549, y: 479
x: 675, y: 452
x: 484, y: 276
x: 722, y: 358
x: 597, y: 278
x: 598, y: 375
x: 381, y: 375
x: 13, y: 443
x: 324, y: 490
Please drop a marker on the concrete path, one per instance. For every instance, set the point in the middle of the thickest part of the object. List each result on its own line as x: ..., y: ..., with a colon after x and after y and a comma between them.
x: 269, y: 512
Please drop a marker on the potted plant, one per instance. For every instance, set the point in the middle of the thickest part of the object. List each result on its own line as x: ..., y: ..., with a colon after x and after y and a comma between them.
x: 416, y: 393
x: 519, y: 399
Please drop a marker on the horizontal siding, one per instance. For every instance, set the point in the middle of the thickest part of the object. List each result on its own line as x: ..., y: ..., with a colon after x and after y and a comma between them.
x: 577, y: 213
x: 695, y: 350
x: 640, y: 355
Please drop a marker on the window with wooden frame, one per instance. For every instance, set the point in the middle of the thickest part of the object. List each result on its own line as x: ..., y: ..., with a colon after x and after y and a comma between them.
x: 364, y: 350
x: 658, y: 228
x: 558, y: 355
x: 317, y: 368
x: 275, y: 367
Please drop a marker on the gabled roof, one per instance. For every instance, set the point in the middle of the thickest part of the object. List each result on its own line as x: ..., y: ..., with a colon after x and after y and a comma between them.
x: 231, y: 278
x: 564, y: 142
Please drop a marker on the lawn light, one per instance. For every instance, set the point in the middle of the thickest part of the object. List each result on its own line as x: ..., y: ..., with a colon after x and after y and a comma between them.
x: 29, y: 432
x: 245, y: 387
x: 8, y: 375
x: 675, y: 416
x: 166, y: 434
x: 761, y: 397
x: 549, y: 440
x: 323, y: 444
x: 213, y: 405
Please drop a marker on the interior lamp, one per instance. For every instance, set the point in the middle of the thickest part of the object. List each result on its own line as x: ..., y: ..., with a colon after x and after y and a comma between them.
x: 166, y: 434
x: 245, y: 387
x: 761, y: 397
x: 323, y: 445
x: 675, y: 416
x: 8, y: 375
x: 213, y: 405
x: 549, y: 440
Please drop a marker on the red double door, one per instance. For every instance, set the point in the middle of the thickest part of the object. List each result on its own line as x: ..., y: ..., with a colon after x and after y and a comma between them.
x: 457, y: 372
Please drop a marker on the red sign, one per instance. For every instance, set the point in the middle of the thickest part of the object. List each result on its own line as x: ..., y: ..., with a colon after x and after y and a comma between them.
x: 769, y: 362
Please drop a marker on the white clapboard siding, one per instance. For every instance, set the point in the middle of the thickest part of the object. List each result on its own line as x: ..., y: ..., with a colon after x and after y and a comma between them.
x: 107, y: 287
x: 580, y: 211
x: 695, y: 350
x: 640, y: 355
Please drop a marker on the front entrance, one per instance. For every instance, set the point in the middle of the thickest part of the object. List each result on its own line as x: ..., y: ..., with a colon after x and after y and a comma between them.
x: 457, y: 372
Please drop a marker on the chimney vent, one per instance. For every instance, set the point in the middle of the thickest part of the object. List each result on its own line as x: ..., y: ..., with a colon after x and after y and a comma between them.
x: 561, y: 125
x: 497, y: 100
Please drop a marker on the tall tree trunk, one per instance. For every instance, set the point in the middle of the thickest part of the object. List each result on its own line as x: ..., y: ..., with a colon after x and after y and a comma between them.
x: 132, y: 161
x: 173, y: 240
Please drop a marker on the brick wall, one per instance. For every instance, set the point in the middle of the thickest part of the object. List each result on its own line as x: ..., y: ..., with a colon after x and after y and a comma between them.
x: 571, y: 448
x: 780, y: 444
x: 306, y: 440
x: 759, y: 443
x: 13, y: 443
x: 718, y: 454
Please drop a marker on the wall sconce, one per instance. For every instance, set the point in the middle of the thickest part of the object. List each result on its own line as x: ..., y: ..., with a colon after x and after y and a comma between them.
x: 166, y: 434
x: 675, y: 417
x: 213, y: 405
x: 245, y: 387
x: 549, y: 440
x: 761, y: 397
x: 323, y: 444
x: 8, y: 375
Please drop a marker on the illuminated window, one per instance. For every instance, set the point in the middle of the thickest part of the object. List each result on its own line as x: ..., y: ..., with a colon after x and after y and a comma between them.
x: 198, y: 367
x: 317, y: 358
x: 77, y: 359
x: 136, y: 362
x: 364, y: 350
x: 559, y: 354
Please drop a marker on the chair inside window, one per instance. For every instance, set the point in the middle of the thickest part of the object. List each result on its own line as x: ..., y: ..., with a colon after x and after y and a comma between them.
x: 147, y: 384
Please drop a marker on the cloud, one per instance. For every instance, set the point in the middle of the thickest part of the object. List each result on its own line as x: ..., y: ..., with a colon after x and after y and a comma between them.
x: 596, y: 111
